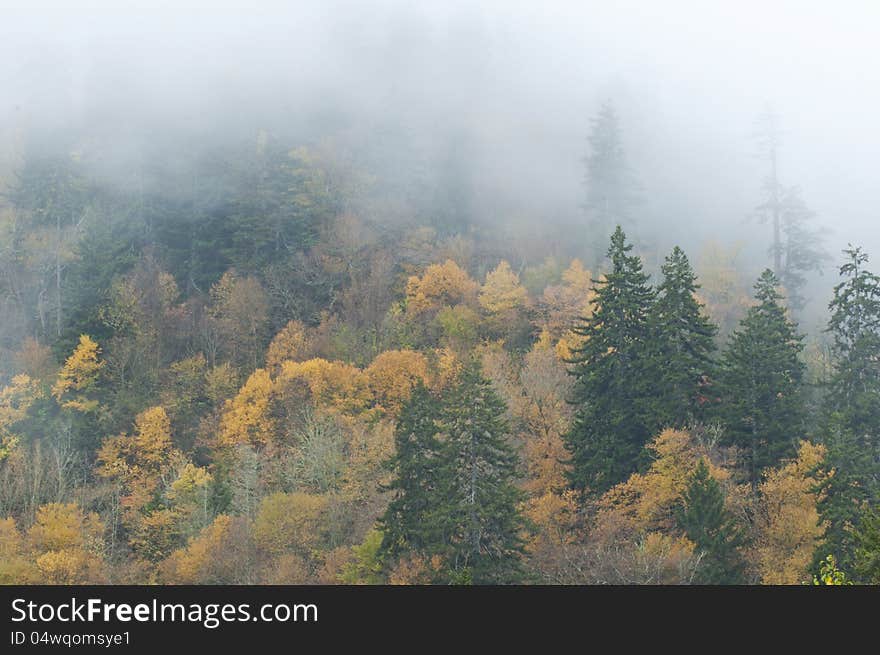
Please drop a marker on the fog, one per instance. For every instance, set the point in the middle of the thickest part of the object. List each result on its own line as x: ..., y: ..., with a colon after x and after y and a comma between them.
x: 510, y: 87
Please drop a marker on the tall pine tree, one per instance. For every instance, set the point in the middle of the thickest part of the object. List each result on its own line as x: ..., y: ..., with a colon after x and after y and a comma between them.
x: 407, y: 524
x: 761, y: 382
x: 614, y: 388
x: 453, y: 484
x: 479, y: 470
x: 683, y: 342
x: 852, y: 412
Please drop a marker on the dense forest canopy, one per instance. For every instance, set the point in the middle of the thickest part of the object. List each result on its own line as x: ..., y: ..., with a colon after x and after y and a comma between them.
x: 417, y: 310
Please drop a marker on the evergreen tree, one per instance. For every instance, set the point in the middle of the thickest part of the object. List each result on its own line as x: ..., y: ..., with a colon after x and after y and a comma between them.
x: 710, y: 526
x: 610, y: 184
x: 454, y: 491
x: 867, y: 536
x: 415, y: 463
x: 796, y: 247
x: 852, y: 413
x: 684, y: 342
x: 481, y: 500
x: 614, y: 388
x: 761, y: 382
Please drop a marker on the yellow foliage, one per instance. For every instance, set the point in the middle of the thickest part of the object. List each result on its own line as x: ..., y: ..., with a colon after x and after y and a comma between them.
x: 152, y: 441
x: 141, y: 456
x: 447, y: 368
x: 331, y: 384
x: 502, y: 293
x: 247, y: 417
x: 392, y: 376
x: 562, y: 305
x: 78, y: 375
x: 64, y: 526
x: 14, y: 567
x: 542, y: 408
x: 441, y: 285
x: 15, y: 400
x: 290, y: 344
x: 289, y: 522
x: 195, y: 563
x: 647, y: 500
x: 67, y: 544
x: 191, y: 480
x: 554, y: 517
x: 221, y: 383
x: 568, y: 344
x: 68, y: 567
x: 787, y: 523
x: 155, y: 535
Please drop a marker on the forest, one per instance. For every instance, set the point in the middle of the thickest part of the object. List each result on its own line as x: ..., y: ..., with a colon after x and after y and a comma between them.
x: 289, y: 357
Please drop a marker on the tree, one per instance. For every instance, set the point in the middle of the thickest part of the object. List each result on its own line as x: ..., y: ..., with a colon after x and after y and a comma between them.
x: 240, y: 312
x: 247, y: 417
x: 503, y: 298
x: 787, y: 525
x: 477, y: 473
x: 708, y: 524
x: 684, y: 342
x: 796, y: 248
x: 408, y: 525
x: 611, y: 188
x: 393, y: 374
x: 561, y: 305
x: 761, y: 382
x: 290, y: 344
x: 15, y: 401
x: 289, y: 522
x: 867, y: 560
x: 67, y: 544
x: 219, y: 554
x: 78, y: 377
x: 441, y: 285
x: 852, y: 410
x: 454, y: 497
x: 613, y: 381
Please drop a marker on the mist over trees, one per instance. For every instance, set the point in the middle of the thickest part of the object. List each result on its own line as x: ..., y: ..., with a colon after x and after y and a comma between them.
x: 420, y: 297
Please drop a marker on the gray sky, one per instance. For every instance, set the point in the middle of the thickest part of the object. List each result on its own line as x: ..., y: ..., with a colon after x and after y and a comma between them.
x: 520, y: 79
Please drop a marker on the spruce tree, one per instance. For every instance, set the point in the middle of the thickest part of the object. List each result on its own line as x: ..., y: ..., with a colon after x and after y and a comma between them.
x: 683, y: 342
x: 761, y: 382
x: 611, y: 188
x: 710, y: 526
x: 614, y: 387
x: 852, y: 412
x: 479, y: 468
x: 867, y: 538
x: 407, y: 525
x: 453, y: 484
